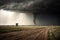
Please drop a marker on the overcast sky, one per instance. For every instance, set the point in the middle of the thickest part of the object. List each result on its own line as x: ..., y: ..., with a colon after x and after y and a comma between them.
x: 46, y: 11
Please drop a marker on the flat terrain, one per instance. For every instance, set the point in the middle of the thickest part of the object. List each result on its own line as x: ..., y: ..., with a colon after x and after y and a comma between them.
x: 35, y: 34
x: 42, y: 33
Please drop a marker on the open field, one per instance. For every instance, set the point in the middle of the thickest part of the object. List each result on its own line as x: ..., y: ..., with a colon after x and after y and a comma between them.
x: 29, y: 32
x: 8, y: 28
x: 54, y: 33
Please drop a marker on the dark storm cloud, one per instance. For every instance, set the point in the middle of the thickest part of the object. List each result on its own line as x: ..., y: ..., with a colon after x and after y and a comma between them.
x: 27, y: 5
x: 35, y: 5
x: 2, y: 2
x: 46, y: 9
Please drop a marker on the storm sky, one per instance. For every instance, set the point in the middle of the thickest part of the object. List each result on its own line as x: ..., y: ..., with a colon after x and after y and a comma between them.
x: 38, y: 12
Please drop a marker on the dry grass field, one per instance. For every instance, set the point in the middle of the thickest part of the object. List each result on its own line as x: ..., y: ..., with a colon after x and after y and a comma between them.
x: 11, y: 32
x: 8, y: 28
